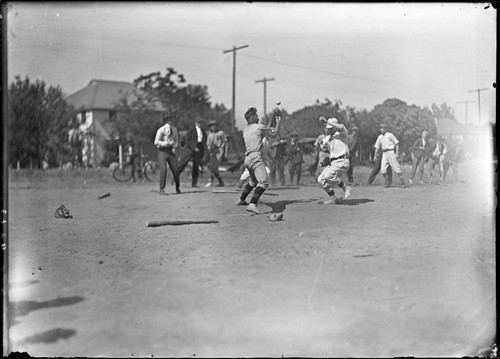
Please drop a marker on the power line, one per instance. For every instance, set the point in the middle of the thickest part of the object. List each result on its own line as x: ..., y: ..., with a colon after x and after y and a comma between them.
x: 348, y: 76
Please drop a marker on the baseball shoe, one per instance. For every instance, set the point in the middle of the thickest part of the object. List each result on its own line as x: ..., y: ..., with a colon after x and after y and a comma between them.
x: 252, y: 207
x: 347, y: 192
x: 220, y: 185
x: 410, y: 181
x: 209, y: 184
x: 241, y: 203
x: 178, y: 190
x: 162, y: 192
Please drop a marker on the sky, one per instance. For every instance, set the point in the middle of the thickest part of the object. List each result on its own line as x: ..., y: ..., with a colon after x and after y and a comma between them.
x: 358, y: 53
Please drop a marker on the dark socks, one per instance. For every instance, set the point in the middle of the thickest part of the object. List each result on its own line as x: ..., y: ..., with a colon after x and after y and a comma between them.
x: 256, y: 194
x: 341, y: 184
x: 246, y: 192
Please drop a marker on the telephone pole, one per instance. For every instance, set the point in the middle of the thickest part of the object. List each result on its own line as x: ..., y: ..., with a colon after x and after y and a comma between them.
x: 466, y: 103
x: 479, y: 102
x: 233, y: 50
x: 264, y: 80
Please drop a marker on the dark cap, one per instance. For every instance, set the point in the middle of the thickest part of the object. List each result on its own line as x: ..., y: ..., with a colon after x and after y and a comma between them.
x: 213, y: 123
x: 168, y: 116
x: 354, y: 128
x: 251, y: 111
x: 383, y: 125
x: 294, y: 134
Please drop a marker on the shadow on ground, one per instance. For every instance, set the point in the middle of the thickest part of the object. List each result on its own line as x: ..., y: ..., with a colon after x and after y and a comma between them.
x: 22, y: 308
x: 278, y: 207
x: 50, y: 336
x: 357, y: 201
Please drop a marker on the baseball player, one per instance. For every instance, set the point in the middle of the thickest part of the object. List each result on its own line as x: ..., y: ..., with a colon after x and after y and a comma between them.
x: 216, y: 146
x: 253, y: 135
x: 337, y: 163
x: 390, y: 152
x: 266, y: 155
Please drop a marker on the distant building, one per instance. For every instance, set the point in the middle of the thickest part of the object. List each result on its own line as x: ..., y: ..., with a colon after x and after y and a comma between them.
x: 95, y: 104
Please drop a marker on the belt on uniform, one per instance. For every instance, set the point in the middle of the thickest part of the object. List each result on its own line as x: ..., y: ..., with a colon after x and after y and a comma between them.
x: 339, y: 158
x: 392, y: 149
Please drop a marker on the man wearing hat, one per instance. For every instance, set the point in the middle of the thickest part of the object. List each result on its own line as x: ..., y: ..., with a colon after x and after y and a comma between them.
x: 295, y: 158
x: 420, y: 153
x: 253, y: 135
x: 337, y: 163
x: 352, y: 143
x: 390, y: 151
x: 196, y: 142
x: 216, y: 147
x: 167, y: 141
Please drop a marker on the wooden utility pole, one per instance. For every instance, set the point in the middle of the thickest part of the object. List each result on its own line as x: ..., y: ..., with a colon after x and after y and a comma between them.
x: 466, y: 103
x: 479, y: 102
x: 264, y: 80
x: 233, y: 120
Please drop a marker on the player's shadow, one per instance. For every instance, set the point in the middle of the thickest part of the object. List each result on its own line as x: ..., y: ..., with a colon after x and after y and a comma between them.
x: 24, y: 307
x: 50, y: 336
x: 278, y: 207
x: 357, y: 201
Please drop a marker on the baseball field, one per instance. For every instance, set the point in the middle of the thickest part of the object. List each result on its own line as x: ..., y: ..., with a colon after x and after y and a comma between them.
x: 391, y: 272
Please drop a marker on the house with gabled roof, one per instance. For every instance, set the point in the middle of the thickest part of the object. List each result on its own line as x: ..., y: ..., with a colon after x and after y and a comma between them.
x: 95, y: 104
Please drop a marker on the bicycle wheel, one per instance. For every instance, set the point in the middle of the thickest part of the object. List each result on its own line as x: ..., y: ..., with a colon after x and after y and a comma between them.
x: 123, y: 173
x: 151, y: 173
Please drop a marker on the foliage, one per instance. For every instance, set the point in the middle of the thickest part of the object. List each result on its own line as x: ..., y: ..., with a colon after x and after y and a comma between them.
x: 139, y: 115
x: 39, y: 121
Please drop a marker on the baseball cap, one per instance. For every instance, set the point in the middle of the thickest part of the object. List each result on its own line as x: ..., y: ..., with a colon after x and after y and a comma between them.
x: 212, y: 123
x: 331, y: 121
x: 354, y: 128
x: 383, y: 125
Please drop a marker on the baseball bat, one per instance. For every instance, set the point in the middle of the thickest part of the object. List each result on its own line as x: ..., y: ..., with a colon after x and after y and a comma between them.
x: 175, y: 223
x: 235, y: 191
x: 104, y: 196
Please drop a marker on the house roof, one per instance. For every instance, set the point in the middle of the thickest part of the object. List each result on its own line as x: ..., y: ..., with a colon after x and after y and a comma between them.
x: 102, y: 94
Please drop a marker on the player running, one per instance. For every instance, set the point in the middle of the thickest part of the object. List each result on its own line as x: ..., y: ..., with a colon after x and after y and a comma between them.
x: 337, y: 163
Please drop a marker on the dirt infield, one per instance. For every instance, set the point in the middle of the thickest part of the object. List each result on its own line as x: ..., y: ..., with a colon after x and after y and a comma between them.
x: 392, y: 272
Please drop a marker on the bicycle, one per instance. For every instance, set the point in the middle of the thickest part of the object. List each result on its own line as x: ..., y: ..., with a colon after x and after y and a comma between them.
x: 128, y: 171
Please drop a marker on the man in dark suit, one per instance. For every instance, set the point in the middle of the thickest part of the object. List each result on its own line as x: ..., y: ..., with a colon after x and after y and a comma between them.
x: 195, y: 142
x: 420, y: 154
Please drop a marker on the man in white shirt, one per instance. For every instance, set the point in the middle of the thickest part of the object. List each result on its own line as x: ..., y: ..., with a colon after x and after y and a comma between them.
x: 389, y: 145
x: 167, y: 141
x: 337, y: 163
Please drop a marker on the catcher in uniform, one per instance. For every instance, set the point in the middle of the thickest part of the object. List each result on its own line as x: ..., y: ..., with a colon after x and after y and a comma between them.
x: 253, y: 135
x: 337, y: 163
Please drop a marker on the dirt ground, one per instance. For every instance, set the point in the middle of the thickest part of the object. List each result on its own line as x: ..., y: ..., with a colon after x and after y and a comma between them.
x: 392, y: 272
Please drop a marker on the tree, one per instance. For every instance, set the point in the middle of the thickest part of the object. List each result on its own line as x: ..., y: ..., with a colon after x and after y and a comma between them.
x: 406, y: 122
x: 39, y: 121
x: 443, y: 111
x: 138, y: 115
